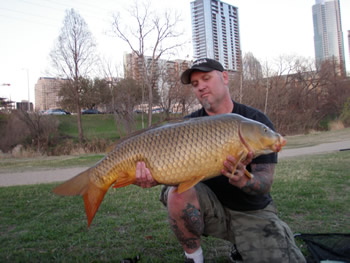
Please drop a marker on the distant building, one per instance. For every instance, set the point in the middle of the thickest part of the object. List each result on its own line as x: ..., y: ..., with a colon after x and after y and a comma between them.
x: 6, y: 105
x: 166, y: 80
x: 169, y: 70
x: 215, y: 33
x: 328, y: 35
x: 46, y: 93
x: 24, y: 105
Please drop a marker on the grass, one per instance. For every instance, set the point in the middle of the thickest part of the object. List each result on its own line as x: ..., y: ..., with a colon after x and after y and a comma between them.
x: 311, y: 194
x: 100, y: 126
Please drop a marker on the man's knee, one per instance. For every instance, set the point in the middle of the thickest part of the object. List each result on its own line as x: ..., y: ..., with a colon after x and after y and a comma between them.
x: 180, y: 201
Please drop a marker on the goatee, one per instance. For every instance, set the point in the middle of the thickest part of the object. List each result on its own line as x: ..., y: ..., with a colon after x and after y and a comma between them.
x: 205, y: 104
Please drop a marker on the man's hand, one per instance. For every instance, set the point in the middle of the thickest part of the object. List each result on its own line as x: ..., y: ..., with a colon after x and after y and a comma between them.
x: 237, y: 177
x: 144, y: 178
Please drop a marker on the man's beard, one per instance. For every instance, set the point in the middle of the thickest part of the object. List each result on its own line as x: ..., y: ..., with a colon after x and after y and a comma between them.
x: 205, y: 103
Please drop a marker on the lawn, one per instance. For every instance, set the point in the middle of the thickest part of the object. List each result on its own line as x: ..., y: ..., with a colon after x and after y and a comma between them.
x: 312, y: 194
x: 100, y: 126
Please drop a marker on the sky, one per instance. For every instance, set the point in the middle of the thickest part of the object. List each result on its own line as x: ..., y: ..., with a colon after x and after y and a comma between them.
x: 30, y: 28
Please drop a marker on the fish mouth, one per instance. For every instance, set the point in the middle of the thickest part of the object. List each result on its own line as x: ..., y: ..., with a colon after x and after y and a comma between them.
x: 281, y: 142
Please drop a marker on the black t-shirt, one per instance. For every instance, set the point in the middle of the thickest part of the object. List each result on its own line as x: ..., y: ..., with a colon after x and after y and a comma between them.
x: 229, y: 195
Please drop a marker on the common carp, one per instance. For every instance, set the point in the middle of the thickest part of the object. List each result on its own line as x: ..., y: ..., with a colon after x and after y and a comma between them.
x: 180, y: 154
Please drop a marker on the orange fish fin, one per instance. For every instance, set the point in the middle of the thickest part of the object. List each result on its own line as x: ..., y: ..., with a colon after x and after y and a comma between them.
x: 92, y: 200
x: 124, y: 179
x: 77, y: 185
x: 81, y: 185
x: 188, y: 184
x: 248, y: 174
x: 240, y: 157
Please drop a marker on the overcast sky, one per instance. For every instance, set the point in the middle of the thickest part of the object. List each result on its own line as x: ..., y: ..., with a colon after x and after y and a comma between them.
x: 29, y: 29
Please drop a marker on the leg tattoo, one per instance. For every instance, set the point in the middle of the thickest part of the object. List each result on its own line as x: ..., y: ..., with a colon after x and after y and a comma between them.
x: 189, y: 228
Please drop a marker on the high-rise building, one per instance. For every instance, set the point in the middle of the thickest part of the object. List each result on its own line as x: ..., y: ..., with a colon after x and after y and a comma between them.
x: 328, y: 35
x: 215, y: 32
x: 46, y: 93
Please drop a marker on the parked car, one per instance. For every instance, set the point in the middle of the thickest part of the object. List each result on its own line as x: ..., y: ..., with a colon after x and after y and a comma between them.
x: 157, y: 110
x: 56, y: 112
x: 91, y: 111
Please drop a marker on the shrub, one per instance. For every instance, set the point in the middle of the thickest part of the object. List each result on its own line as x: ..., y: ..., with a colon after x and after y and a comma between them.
x: 32, y: 130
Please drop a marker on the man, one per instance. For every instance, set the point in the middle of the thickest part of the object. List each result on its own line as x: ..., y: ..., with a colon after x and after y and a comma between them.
x: 231, y: 207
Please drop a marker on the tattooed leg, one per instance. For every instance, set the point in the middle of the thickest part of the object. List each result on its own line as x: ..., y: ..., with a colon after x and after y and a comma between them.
x: 185, y: 219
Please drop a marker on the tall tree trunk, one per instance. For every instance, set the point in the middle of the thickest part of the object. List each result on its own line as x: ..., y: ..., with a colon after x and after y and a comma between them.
x: 150, y: 104
x: 79, y: 122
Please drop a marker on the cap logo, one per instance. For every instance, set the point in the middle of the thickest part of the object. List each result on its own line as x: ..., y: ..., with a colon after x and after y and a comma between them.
x: 200, y: 61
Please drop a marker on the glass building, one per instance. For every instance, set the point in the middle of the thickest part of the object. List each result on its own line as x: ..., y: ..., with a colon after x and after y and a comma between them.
x: 215, y: 32
x: 328, y: 35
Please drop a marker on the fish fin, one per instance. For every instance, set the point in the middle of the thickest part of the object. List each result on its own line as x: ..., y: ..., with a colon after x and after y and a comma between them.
x: 92, y: 200
x: 81, y: 185
x: 124, y: 179
x: 161, y: 123
x: 248, y: 174
x: 240, y: 157
x: 77, y: 185
x: 188, y: 184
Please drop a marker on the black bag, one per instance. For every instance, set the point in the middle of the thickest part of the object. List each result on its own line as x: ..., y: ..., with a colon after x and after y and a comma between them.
x: 332, y: 247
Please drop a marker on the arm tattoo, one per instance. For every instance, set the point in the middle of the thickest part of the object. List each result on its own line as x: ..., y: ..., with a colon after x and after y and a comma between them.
x: 262, y: 181
x: 192, y: 222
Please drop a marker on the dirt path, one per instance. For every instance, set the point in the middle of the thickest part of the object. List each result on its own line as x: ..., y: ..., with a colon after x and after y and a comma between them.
x: 57, y: 175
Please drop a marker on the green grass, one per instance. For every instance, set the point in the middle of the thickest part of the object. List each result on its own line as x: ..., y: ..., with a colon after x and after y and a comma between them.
x: 311, y: 194
x: 100, y: 126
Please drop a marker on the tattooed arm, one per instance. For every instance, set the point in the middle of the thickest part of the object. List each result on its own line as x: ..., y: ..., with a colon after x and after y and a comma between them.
x: 261, y: 181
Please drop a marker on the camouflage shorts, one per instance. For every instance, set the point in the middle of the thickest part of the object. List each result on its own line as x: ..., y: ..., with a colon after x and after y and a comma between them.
x: 260, y: 236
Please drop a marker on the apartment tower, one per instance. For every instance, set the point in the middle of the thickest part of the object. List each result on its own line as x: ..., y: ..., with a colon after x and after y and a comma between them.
x: 328, y: 35
x: 46, y: 93
x: 215, y: 32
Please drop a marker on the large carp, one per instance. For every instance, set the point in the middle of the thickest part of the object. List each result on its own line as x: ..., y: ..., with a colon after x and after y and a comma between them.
x: 181, y: 154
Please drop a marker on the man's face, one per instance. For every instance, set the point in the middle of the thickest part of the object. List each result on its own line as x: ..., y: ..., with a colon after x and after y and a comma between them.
x: 209, y: 87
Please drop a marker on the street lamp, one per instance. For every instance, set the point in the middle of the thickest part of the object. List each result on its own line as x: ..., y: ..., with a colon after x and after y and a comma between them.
x: 28, y: 87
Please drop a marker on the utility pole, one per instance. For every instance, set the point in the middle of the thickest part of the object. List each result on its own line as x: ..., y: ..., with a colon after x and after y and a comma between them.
x: 28, y: 90
x: 26, y: 69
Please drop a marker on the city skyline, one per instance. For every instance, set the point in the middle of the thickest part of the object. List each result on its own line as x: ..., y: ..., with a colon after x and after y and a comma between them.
x: 268, y: 29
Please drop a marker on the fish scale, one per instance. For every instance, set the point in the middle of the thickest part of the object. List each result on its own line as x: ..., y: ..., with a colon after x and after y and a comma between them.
x: 180, y: 154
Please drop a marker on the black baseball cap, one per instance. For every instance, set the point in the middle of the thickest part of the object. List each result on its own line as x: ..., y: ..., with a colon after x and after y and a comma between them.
x: 204, y: 65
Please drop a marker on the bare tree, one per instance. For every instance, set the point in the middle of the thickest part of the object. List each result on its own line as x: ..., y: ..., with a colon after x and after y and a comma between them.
x: 151, y: 35
x: 40, y: 127
x: 174, y: 96
x: 127, y: 96
x: 73, y: 57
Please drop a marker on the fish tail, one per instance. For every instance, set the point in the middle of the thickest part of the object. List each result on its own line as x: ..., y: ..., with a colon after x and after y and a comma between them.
x: 82, y: 185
